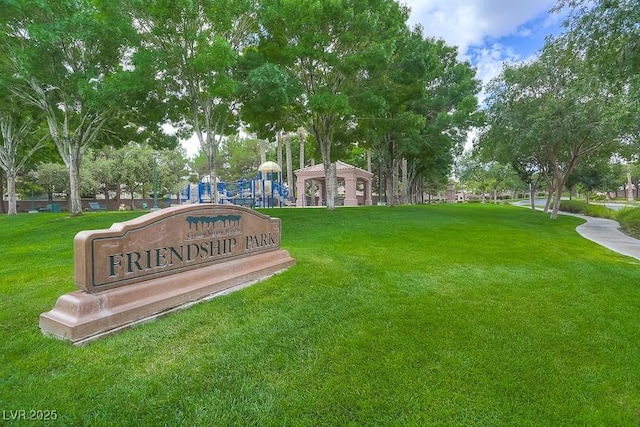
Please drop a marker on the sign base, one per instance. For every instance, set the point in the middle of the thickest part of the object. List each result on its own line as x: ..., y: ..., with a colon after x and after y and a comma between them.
x: 81, y: 316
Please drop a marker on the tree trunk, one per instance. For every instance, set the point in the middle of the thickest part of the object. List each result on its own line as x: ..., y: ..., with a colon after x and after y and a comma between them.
x: 74, y: 183
x: 389, y: 184
x: 302, y: 136
x: 1, y: 192
x: 558, y: 195
x: 263, y: 151
x: 547, y: 203
x: 556, y: 202
x: 629, y: 184
x: 405, y: 182
x: 213, y: 185
x: 279, y: 150
x: 391, y: 175
x: 287, y: 143
x: 11, y: 190
x: 331, y: 185
x: 329, y: 176
x: 532, y: 197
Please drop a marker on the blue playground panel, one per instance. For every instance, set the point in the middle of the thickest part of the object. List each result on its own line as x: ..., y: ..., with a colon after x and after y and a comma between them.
x: 245, y: 192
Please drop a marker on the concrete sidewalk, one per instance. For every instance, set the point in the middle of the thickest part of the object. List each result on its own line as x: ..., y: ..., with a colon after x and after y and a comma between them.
x: 606, y: 232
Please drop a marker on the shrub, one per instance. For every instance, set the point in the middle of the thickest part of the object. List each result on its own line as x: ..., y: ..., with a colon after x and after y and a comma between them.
x: 599, y: 211
x: 629, y: 219
x: 573, y: 206
x: 580, y: 207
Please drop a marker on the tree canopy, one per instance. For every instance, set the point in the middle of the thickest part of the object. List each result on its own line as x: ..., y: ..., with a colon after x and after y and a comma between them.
x: 111, y: 73
x: 70, y: 60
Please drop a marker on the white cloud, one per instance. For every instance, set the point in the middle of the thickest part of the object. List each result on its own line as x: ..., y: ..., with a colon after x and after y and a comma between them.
x: 466, y: 23
x: 488, y: 33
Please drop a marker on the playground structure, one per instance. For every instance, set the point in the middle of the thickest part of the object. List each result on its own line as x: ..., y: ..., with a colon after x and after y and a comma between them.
x: 265, y: 191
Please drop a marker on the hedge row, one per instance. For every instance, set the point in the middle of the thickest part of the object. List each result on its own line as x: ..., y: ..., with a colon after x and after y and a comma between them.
x: 629, y: 219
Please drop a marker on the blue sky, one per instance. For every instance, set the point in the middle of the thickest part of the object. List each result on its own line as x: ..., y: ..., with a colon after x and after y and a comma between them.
x: 488, y: 32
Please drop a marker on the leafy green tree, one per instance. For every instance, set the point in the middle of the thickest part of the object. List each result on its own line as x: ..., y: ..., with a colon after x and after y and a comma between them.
x: 195, y: 47
x: 591, y: 176
x: 498, y: 177
x: 172, y: 171
x: 18, y: 143
x: 103, y: 166
x: 385, y: 117
x: 241, y: 158
x: 474, y: 174
x: 631, y: 178
x: 268, y: 93
x: 420, y: 107
x: 135, y: 169
x: 54, y: 179
x: 327, y: 48
x: 552, y: 110
x: 606, y: 33
x: 614, y: 177
x: 451, y: 109
x: 70, y: 60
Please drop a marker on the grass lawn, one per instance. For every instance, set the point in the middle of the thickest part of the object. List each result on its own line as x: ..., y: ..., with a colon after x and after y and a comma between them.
x: 414, y: 315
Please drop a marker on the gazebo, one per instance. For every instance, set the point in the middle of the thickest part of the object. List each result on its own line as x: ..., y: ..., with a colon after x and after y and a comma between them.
x: 349, y: 174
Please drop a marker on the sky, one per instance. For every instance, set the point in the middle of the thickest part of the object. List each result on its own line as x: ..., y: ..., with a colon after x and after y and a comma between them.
x: 487, y: 33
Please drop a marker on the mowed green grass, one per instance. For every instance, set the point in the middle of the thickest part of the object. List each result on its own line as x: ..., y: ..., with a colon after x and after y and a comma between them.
x: 413, y: 315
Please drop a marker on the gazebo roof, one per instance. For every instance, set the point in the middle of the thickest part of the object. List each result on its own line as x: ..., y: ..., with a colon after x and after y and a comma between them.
x: 342, y: 169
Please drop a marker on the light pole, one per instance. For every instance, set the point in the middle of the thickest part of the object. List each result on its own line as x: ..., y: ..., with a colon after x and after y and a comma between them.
x: 155, y: 182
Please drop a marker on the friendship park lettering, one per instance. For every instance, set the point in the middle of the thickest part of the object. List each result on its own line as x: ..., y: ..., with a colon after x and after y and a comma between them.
x: 161, y: 261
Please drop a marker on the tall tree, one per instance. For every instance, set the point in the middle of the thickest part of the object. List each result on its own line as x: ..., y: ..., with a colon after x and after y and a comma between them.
x: 71, y: 60
x: 327, y: 46
x: 53, y: 178
x: 450, y: 107
x: 554, y: 109
x: 241, y: 158
x: 195, y: 46
x: 607, y: 35
x: 18, y: 142
x: 419, y: 108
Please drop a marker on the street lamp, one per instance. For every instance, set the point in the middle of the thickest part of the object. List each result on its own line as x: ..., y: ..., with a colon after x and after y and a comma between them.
x: 155, y: 182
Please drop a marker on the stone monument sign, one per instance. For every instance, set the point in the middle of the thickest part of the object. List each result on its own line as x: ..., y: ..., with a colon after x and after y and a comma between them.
x: 161, y: 261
